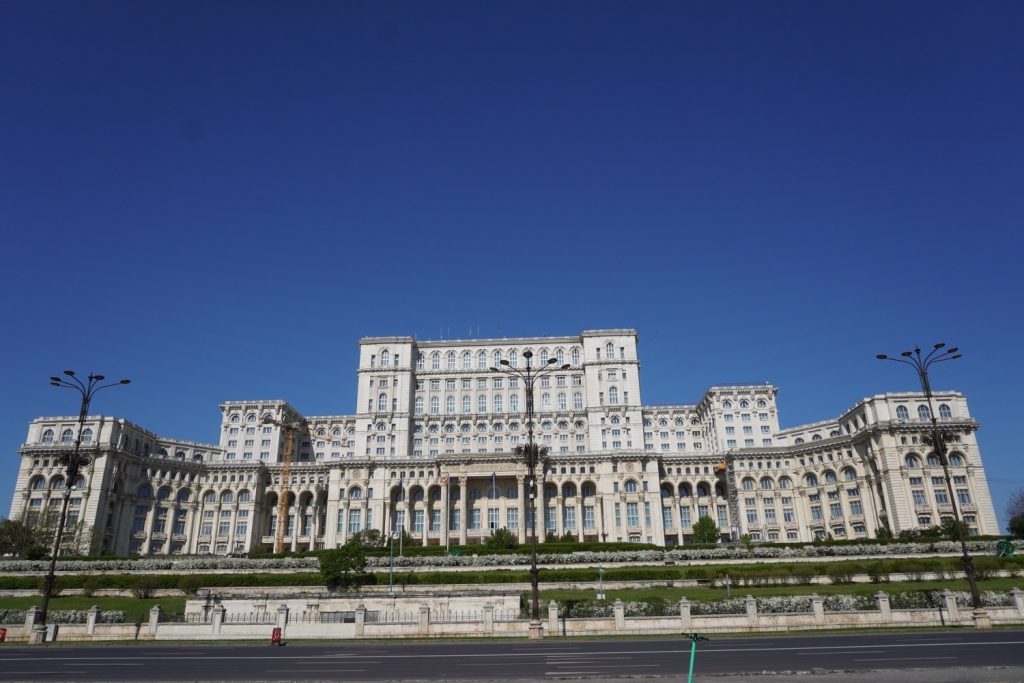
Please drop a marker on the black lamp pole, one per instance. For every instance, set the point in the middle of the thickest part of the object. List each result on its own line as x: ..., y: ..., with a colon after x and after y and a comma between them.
x: 533, y: 455
x: 73, y: 463
x: 921, y: 364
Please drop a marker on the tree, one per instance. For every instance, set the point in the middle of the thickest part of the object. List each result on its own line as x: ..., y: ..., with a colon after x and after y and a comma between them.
x: 368, y: 538
x: 705, y: 531
x: 344, y: 568
x: 1016, y: 526
x: 502, y: 539
x: 22, y: 540
x: 1015, y: 513
x: 954, y: 530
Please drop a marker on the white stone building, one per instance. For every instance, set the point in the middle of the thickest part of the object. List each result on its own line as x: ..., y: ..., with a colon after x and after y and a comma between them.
x: 431, y: 450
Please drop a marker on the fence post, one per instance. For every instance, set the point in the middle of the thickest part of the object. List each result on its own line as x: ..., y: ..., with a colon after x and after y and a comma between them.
x: 218, y: 617
x: 360, y: 619
x: 553, y: 618
x: 818, y: 607
x: 282, y: 618
x: 951, y: 608
x: 91, y: 617
x: 684, y: 615
x: 751, y: 605
x: 1018, y: 600
x: 32, y: 615
x: 154, y: 619
x: 488, y: 618
x: 620, y: 614
x: 424, y: 627
x: 884, y: 607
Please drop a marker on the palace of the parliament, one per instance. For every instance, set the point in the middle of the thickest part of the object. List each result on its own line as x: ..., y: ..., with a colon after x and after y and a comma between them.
x: 431, y: 446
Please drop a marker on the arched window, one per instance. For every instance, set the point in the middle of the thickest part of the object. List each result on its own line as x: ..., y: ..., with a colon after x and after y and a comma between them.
x: 902, y: 413
x: 467, y: 404
x: 481, y: 360
x: 574, y: 355
x: 382, y: 403
x: 67, y: 436
x: 545, y: 401
x: 513, y: 358
x: 251, y: 417
x: 816, y: 437
x: 57, y: 483
x: 798, y: 440
x: 355, y: 493
x: 767, y: 484
x: 236, y: 418
x: 435, y: 361
x: 498, y: 404
x: 761, y: 403
x: 451, y: 360
x: 481, y: 403
x: 703, y: 490
x: 543, y: 357
x: 630, y: 486
x: 385, y: 358
x: 933, y: 460
x: 48, y: 436
x: 513, y: 403
x: 421, y: 361
x: 183, y: 495
x: 685, y: 491
x: 418, y: 405
x: 830, y: 477
x: 496, y: 358
x: 209, y: 497
x: 145, y: 491
x: 849, y: 474
x: 912, y: 461
x: 744, y: 403
x: 244, y: 496
x: 923, y: 412
x: 748, y: 484
x: 944, y: 412
x: 609, y: 350
x: 613, y: 396
x: 38, y: 484
x: 467, y: 360
x: 588, y: 490
x: 561, y: 401
x: 435, y: 405
x: 449, y: 405
x: 87, y: 435
x: 227, y: 497
x: 568, y: 490
x: 559, y: 357
x: 811, y: 480
x: 785, y: 483
x: 955, y: 460
x: 163, y: 494
x: 577, y: 400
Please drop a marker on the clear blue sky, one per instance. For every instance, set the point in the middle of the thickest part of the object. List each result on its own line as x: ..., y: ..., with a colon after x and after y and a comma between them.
x: 218, y: 199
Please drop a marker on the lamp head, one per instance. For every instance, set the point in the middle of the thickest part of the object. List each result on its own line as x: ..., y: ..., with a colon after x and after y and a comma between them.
x: 54, y: 380
x: 907, y: 354
x: 504, y: 362
x: 954, y: 357
x: 952, y: 350
x: 527, y: 353
x: 551, y: 360
x: 125, y: 381
x: 566, y: 366
x: 98, y: 378
x: 69, y: 373
x: 882, y: 356
x: 494, y: 369
x: 940, y: 345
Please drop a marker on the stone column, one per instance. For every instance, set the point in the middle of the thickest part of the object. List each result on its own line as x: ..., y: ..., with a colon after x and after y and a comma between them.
x: 445, y: 506
x: 154, y: 619
x: 685, y: 620
x: 620, y: 614
x: 559, y: 503
x: 360, y: 620
x: 952, y: 610
x: 218, y: 617
x: 1018, y: 600
x: 282, y: 618
x: 91, y: 617
x: 521, y: 488
x: 150, y: 519
x: 751, y: 605
x: 424, y: 623
x: 553, y: 618
x: 579, y: 516
x: 488, y: 618
x: 463, y: 508
x: 884, y: 608
x: 818, y: 607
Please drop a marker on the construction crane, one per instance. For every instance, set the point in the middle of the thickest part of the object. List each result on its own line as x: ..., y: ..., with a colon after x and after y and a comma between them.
x: 290, y: 429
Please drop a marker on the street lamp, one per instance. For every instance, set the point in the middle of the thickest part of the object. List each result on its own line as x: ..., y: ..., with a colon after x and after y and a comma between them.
x: 532, y: 454
x: 73, y: 463
x: 921, y: 364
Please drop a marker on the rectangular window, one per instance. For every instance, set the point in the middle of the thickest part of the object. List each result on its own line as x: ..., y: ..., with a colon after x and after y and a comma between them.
x: 787, y: 515
x: 492, y: 518
x: 769, y: 516
x: 835, y: 510
x: 353, y: 521
x: 241, y: 528
x: 570, y: 517
x: 341, y: 521
x: 474, y: 518
x: 856, y: 508
x: 618, y: 514
x: 549, y: 518
x: 455, y: 521
x: 703, y: 511
x: 512, y: 518
x: 964, y: 496
x: 588, y: 517
x: 417, y: 521
x: 666, y: 518
x: 751, y: 516
x: 816, y: 513
x: 919, y: 498
x: 942, y: 497
x: 684, y: 518
x: 632, y: 515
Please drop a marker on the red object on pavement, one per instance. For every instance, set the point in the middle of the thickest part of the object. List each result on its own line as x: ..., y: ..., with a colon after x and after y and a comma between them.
x: 275, y: 636
x: 3, y: 634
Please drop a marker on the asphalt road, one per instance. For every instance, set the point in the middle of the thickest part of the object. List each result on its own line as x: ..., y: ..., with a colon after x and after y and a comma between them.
x: 516, y: 660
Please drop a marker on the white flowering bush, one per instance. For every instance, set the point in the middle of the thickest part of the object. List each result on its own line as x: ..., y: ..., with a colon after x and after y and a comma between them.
x: 63, y: 616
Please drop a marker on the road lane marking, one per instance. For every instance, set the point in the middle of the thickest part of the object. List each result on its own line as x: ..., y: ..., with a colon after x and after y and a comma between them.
x: 893, y: 659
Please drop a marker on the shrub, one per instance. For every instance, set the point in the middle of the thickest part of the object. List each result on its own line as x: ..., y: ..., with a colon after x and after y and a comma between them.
x: 841, y: 573
x: 345, y: 567
x: 502, y: 539
x: 190, y: 584
x: 145, y: 586
x: 90, y: 584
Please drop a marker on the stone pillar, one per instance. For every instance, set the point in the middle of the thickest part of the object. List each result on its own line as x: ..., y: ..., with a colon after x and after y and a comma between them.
x: 553, y: 618
x: 35, y: 636
x: 620, y: 614
x: 521, y: 488
x: 282, y: 618
x: 1018, y: 600
x: 685, y: 620
x: 360, y: 619
x: 154, y: 618
x: 424, y: 624
x: 463, y: 509
x: 218, y: 617
x: 818, y: 608
x: 445, y: 507
x: 952, y: 610
x: 982, y: 620
x: 751, y: 604
x: 488, y: 618
x: 884, y: 608
x: 91, y: 617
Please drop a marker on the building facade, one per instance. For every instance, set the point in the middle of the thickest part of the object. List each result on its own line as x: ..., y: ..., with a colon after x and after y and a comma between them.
x: 431, y: 451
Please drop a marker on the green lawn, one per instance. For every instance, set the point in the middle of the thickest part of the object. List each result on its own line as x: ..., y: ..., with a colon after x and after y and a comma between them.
x: 709, y: 594
x: 135, y: 609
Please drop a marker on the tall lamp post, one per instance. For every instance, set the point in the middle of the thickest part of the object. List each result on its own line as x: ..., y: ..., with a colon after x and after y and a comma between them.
x: 532, y: 454
x: 921, y: 364
x: 73, y: 463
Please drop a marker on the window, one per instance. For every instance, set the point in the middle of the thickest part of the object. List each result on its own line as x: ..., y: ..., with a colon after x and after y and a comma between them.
x: 418, y: 409
x: 575, y: 356
x: 923, y: 412
x: 449, y: 405
x: 684, y: 518
x: 87, y: 435
x: 511, y: 518
x: 902, y: 413
x: 944, y: 412
x: 67, y: 436
x: 632, y: 514
x: 435, y: 405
